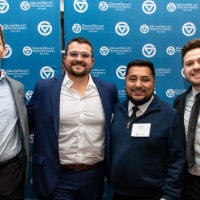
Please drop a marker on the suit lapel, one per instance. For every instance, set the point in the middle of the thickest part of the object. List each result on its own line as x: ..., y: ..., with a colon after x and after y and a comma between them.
x: 15, y: 90
x: 55, y: 96
x: 102, y: 93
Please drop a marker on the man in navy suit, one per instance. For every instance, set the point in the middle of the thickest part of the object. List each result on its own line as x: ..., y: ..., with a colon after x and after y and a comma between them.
x: 71, y: 116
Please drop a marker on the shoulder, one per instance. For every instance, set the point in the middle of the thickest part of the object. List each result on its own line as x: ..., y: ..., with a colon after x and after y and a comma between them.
x: 165, y: 106
x: 182, y: 96
x: 44, y: 82
x: 14, y: 81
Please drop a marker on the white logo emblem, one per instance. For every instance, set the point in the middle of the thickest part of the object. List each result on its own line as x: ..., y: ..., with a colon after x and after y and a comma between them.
x: 170, y: 93
x: 27, y: 51
x: 25, y: 5
x: 171, y: 7
x: 103, y: 6
x: 8, y: 51
x: 149, y: 7
x: 46, y: 72
x: 144, y: 28
x: 182, y: 73
x: 31, y: 138
x: 104, y: 51
x: 76, y: 28
x: 121, y: 72
x: 170, y: 50
x: 149, y: 50
x: 44, y: 28
x: 29, y: 95
x: 189, y: 29
x: 80, y: 5
x: 4, y: 6
x: 122, y: 28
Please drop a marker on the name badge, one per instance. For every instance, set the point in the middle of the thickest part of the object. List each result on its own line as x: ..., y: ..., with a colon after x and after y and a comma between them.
x: 141, y: 130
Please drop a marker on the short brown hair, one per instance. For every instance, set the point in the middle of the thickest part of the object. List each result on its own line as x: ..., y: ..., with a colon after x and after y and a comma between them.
x: 2, y: 36
x: 192, y: 44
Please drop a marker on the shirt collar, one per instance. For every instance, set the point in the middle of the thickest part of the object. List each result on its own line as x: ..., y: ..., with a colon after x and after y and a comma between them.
x: 142, y: 107
x: 2, y: 75
x: 194, y: 92
x: 68, y: 82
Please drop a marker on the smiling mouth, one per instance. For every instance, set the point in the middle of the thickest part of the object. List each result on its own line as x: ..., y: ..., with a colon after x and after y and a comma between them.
x: 196, y: 75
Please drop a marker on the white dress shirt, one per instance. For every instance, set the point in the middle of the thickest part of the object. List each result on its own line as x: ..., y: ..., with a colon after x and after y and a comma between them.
x: 142, y: 108
x: 190, y: 98
x: 82, y: 120
x: 9, y: 143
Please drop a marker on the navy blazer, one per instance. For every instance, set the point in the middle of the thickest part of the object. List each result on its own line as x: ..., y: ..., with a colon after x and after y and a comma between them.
x: 43, y: 115
x: 179, y: 104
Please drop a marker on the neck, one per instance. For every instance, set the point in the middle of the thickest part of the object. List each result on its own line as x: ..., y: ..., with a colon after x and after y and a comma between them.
x: 196, y: 87
x: 79, y: 83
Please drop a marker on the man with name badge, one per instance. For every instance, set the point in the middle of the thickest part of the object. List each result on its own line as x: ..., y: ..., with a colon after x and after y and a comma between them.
x: 147, y: 152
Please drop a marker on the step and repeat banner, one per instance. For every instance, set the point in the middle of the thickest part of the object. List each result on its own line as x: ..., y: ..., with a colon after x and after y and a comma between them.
x: 33, y: 42
x: 121, y: 31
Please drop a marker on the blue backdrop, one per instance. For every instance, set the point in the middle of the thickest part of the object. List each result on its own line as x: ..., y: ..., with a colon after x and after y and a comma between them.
x: 33, y: 42
x: 120, y: 31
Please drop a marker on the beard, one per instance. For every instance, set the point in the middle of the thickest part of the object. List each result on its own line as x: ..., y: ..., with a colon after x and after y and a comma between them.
x: 139, y: 102
x: 77, y: 73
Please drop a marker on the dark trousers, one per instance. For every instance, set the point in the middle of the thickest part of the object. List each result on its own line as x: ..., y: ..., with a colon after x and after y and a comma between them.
x: 12, y: 179
x: 79, y: 185
x: 192, y: 190
x: 117, y: 196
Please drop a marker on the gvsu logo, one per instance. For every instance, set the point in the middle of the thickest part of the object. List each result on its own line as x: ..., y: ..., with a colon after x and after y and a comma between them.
x: 121, y: 72
x: 170, y: 50
x: 103, y: 6
x: 171, y: 7
x: 104, y: 51
x: 29, y: 95
x: 189, y: 29
x: 8, y: 51
x: 144, y: 28
x: 44, y: 28
x: 25, y: 5
x: 46, y: 72
x: 122, y: 28
x: 80, y: 5
x: 4, y: 6
x: 149, y: 50
x: 149, y: 7
x: 27, y: 51
x: 76, y: 28
x: 170, y: 93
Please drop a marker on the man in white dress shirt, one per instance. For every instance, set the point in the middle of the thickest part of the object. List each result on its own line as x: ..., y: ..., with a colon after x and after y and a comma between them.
x: 71, y: 115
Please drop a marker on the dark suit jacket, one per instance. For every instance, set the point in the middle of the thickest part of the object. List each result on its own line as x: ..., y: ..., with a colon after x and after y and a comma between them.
x: 43, y: 114
x: 179, y: 104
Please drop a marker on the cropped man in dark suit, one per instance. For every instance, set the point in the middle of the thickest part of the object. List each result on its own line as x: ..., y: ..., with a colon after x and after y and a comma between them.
x: 184, y: 104
x: 71, y: 115
x: 14, y: 142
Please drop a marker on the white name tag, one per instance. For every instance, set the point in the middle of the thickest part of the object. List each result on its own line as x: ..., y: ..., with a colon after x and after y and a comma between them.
x: 141, y: 130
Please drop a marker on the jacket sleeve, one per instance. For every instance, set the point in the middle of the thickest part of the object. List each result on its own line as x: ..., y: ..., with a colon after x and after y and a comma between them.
x: 176, y: 162
x: 30, y: 109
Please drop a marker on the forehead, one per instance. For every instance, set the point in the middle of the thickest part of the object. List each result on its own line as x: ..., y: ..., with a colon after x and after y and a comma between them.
x: 192, y: 54
x: 139, y: 71
x: 75, y: 46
